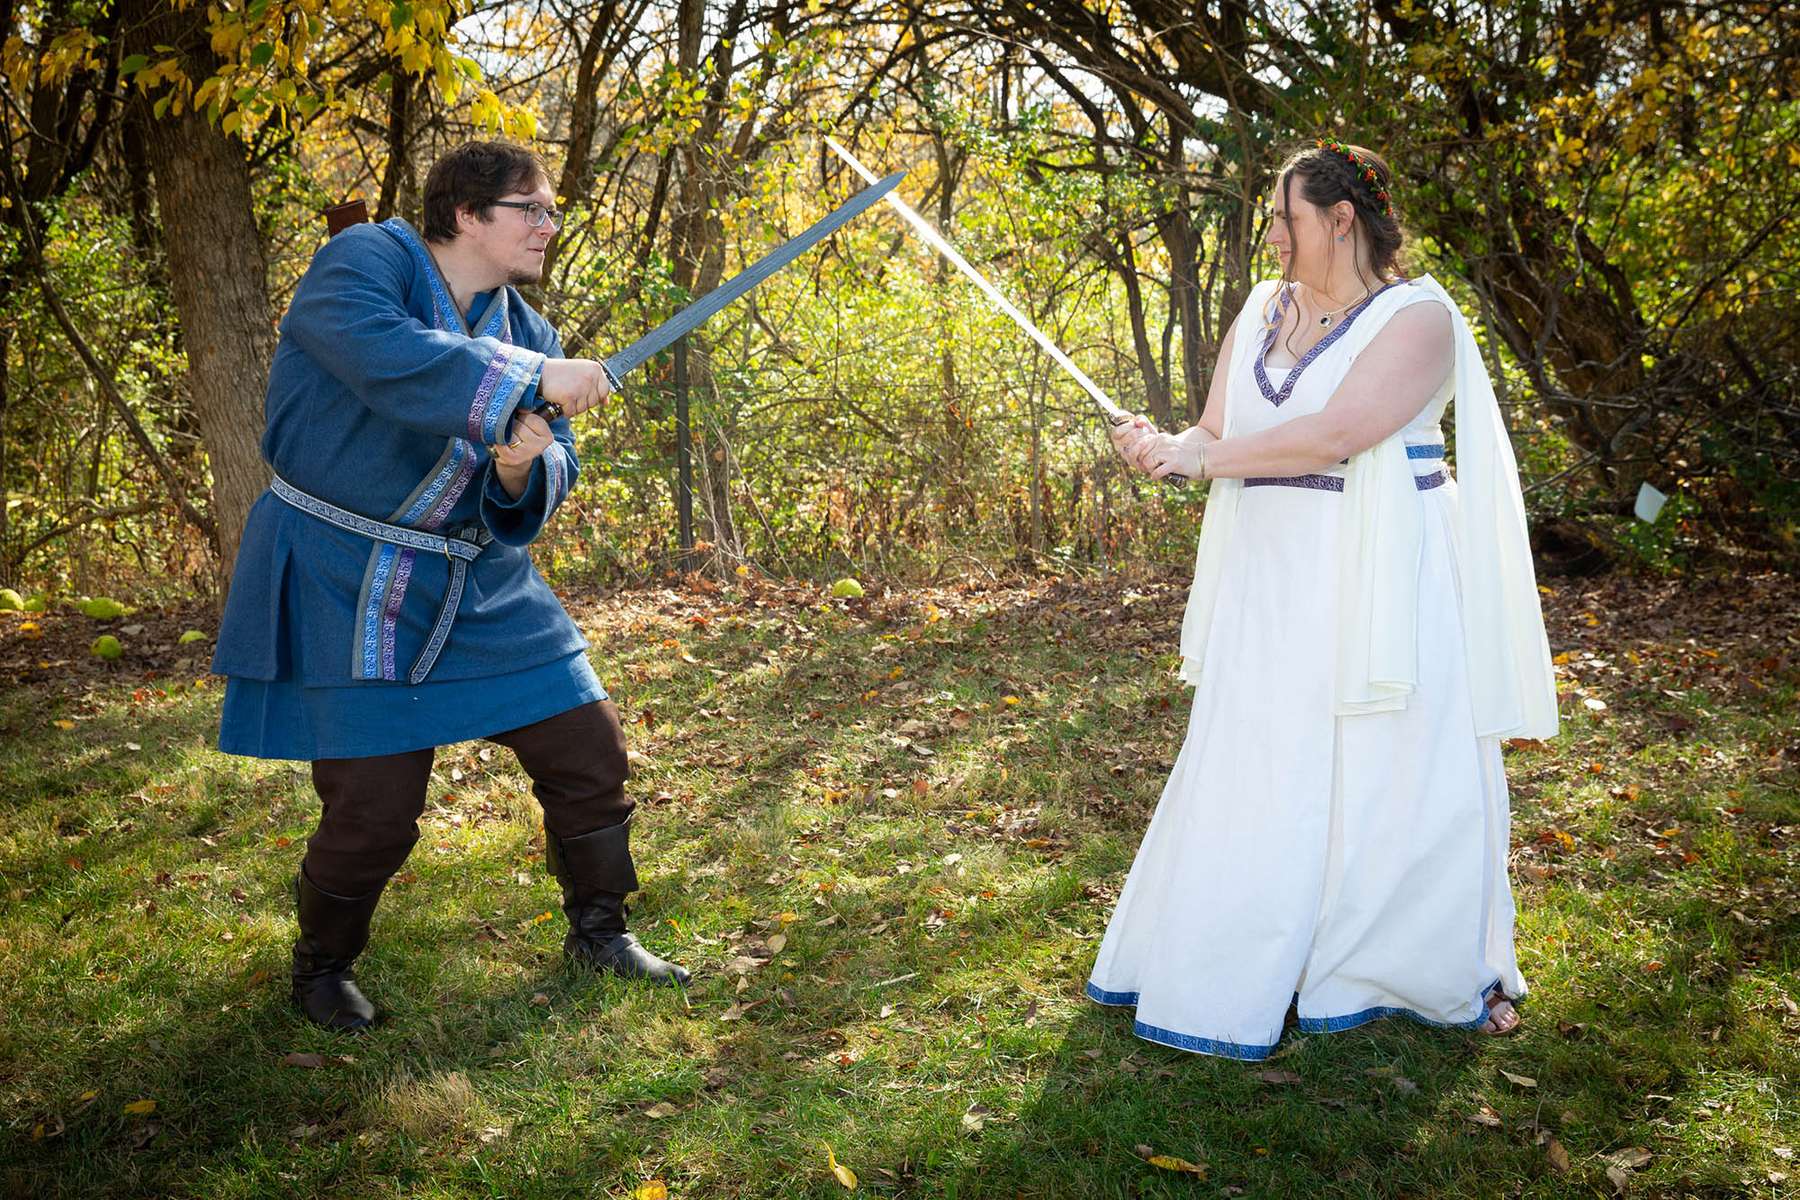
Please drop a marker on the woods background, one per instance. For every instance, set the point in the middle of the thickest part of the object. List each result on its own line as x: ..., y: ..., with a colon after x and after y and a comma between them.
x: 1610, y: 188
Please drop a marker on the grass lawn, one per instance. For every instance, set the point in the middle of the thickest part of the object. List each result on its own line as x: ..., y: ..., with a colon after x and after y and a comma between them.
x: 886, y: 836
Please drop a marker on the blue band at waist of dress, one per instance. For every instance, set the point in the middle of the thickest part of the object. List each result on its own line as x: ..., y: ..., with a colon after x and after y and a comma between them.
x: 1335, y: 483
x: 1433, y: 450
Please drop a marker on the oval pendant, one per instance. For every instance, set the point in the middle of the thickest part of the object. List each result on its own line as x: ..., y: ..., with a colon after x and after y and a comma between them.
x: 1324, y: 322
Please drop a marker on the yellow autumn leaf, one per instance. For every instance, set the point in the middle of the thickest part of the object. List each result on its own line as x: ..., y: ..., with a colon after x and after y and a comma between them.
x: 650, y: 1189
x: 62, y: 724
x: 1009, y: 700
x: 1169, y: 1162
x: 844, y: 1174
x: 139, y: 1108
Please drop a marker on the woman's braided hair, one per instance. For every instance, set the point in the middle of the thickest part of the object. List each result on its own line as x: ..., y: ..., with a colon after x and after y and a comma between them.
x: 1331, y: 171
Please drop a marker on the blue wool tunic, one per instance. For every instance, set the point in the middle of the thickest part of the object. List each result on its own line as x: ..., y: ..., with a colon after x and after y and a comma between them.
x: 382, y: 400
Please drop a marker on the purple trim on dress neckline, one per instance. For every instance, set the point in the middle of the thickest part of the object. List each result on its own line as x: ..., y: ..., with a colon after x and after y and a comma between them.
x: 1259, y: 369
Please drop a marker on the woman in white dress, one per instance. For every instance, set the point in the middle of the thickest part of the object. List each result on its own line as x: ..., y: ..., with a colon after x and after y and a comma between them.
x: 1362, y: 633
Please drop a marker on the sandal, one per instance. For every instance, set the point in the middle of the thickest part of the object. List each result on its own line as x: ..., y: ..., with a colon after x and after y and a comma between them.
x: 1503, y: 1016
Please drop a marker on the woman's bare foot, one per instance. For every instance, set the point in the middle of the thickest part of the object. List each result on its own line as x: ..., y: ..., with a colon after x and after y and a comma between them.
x: 1502, y: 1017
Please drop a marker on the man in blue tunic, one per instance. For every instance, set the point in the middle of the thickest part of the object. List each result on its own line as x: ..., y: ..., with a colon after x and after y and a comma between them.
x: 384, y: 602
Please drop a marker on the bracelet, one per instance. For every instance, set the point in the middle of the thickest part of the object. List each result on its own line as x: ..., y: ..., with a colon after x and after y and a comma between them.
x: 1202, y: 448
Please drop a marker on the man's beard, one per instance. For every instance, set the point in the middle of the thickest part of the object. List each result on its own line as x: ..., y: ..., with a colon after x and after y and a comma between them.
x: 520, y: 278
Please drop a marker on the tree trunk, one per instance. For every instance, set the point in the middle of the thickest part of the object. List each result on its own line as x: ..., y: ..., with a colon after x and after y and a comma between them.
x: 399, y: 136
x: 6, y: 560
x: 218, y: 277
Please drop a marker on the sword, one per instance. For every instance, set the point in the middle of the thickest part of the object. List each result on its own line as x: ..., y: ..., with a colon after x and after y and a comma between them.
x: 936, y: 241
x: 696, y: 314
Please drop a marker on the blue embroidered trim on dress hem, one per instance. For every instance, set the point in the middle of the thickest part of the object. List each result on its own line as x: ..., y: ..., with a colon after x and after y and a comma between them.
x: 1116, y: 999
x: 1351, y: 1021
x: 1433, y: 451
x: 1179, y: 1041
x: 1237, y: 1050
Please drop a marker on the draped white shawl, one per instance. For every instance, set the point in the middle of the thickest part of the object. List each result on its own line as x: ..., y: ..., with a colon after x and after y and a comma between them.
x: 1512, y: 684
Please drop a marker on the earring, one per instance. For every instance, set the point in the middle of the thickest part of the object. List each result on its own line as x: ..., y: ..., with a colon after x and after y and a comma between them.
x: 1340, y: 237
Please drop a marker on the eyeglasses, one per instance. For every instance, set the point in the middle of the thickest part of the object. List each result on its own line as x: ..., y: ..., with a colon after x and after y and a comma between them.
x: 535, y: 213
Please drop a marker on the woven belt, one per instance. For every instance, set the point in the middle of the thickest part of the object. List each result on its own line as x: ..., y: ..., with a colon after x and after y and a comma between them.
x: 460, y: 550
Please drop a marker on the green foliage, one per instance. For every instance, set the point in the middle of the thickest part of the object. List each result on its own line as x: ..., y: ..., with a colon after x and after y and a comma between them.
x: 1605, y: 193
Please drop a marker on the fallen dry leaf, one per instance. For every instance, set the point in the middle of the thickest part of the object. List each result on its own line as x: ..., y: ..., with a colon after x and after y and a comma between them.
x: 1524, y: 1081
x: 843, y: 1174
x: 303, y: 1059
x: 1559, y: 1158
x: 1169, y: 1162
x: 1632, y: 1159
x: 777, y: 943
x: 138, y: 1108
x: 652, y: 1189
x: 661, y: 1109
x: 1278, y: 1077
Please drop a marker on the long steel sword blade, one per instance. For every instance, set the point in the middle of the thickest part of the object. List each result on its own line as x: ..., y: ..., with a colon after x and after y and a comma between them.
x: 695, y: 314
x: 936, y: 241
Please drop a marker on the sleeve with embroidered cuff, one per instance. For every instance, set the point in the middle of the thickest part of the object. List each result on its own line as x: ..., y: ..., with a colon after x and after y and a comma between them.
x: 518, y: 521
x: 350, y: 317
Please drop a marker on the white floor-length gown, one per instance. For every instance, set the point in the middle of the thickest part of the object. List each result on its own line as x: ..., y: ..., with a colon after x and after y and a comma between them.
x: 1354, y: 866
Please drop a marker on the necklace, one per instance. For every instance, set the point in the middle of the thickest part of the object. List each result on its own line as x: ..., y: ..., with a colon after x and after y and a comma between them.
x: 1325, y: 320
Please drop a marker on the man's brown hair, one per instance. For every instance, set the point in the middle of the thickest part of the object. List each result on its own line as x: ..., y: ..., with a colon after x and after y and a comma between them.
x: 473, y: 176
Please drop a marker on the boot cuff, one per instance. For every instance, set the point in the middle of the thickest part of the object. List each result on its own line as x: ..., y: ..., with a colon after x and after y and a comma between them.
x: 594, y: 862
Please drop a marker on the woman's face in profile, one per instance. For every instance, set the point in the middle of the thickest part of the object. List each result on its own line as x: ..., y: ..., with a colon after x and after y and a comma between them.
x: 1306, y: 243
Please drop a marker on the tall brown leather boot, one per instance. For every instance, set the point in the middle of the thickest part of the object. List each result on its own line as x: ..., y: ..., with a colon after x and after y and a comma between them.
x: 333, y: 931
x: 596, y: 874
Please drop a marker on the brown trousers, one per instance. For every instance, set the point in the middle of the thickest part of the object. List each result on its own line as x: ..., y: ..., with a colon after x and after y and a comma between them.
x: 371, y: 806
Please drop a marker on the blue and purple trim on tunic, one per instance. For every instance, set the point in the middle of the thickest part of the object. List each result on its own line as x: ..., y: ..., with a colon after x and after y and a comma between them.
x: 510, y: 377
x: 1196, y: 1044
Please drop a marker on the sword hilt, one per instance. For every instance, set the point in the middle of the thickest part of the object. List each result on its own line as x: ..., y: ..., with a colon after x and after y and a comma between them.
x: 1174, y: 478
x: 550, y: 410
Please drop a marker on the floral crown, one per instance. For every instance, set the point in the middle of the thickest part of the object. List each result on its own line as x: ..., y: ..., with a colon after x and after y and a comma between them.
x: 1362, y: 170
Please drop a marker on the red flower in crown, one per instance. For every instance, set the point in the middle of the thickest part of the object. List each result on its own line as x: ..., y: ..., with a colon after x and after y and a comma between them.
x: 1362, y: 170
